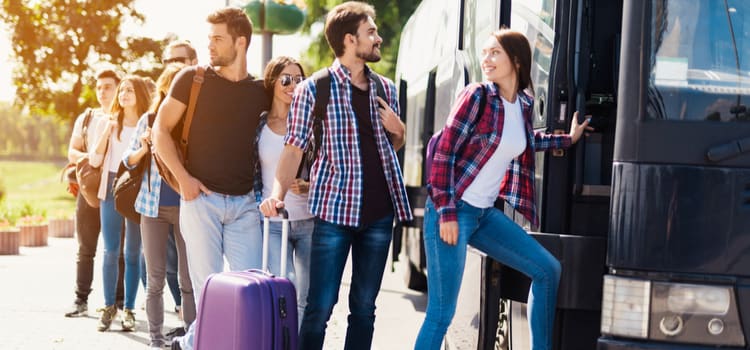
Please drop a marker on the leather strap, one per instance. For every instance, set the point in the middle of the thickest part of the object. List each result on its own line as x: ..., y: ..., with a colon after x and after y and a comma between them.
x: 195, y: 89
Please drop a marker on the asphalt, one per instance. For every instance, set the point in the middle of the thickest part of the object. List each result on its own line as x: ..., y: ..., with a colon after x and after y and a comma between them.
x: 36, y: 288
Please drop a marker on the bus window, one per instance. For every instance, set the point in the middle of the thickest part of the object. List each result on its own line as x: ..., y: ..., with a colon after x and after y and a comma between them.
x: 700, y: 64
x: 535, y: 19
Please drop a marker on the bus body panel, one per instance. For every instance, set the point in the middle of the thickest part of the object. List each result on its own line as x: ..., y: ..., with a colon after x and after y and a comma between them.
x: 683, y: 219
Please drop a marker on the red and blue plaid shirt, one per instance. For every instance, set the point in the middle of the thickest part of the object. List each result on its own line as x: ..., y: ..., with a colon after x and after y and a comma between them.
x: 336, y: 179
x: 469, y: 139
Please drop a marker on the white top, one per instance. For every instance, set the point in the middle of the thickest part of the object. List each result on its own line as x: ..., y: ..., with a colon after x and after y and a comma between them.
x: 118, y: 147
x: 110, y: 161
x: 483, y: 191
x: 270, y: 146
x: 91, y: 135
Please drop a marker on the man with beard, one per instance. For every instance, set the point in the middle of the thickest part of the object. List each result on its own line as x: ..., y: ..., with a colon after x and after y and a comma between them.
x: 218, y: 213
x: 356, y: 184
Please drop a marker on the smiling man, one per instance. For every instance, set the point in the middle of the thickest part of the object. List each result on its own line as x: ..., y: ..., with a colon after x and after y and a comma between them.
x: 356, y: 184
x: 218, y: 212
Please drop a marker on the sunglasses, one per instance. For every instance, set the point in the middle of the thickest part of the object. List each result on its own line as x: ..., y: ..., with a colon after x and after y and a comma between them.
x: 175, y: 59
x: 287, y: 79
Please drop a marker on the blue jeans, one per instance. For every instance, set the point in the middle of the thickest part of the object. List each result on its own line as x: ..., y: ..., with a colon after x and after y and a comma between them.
x: 297, y: 257
x: 490, y: 231
x: 111, y: 231
x: 330, y: 248
x: 215, y: 226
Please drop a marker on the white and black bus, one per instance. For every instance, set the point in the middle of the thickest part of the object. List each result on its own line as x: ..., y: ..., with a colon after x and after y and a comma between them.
x: 650, y: 214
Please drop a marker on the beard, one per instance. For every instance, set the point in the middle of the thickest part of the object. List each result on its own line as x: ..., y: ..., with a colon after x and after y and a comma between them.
x: 371, y: 56
x: 224, y: 60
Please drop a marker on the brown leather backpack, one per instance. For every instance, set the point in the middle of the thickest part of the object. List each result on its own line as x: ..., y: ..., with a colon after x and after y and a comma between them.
x: 182, y: 141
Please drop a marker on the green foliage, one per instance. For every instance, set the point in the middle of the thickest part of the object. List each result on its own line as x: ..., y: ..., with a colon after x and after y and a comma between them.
x: 8, y: 216
x: 58, y: 45
x: 37, y: 183
x: 2, y: 190
x: 31, y: 137
x: 390, y: 18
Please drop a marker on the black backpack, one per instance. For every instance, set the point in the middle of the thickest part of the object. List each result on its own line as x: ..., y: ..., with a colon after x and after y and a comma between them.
x: 322, y: 79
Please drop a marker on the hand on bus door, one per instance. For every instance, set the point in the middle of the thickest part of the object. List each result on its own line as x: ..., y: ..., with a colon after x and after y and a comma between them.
x: 449, y: 232
x: 576, y: 129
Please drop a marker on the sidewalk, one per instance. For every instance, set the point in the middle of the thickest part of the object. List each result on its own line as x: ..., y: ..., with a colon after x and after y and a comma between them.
x: 37, y: 288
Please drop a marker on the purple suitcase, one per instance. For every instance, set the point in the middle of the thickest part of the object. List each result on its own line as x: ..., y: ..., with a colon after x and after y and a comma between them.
x: 247, y: 310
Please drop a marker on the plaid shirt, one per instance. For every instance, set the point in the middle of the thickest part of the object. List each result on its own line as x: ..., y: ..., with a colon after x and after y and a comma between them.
x: 147, y: 202
x: 336, y: 179
x: 469, y: 139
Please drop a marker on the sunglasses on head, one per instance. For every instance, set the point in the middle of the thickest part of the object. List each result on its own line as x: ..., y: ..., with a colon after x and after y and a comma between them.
x: 287, y: 79
x: 174, y: 59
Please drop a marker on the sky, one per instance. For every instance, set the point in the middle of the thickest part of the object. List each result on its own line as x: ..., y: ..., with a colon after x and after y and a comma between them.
x: 185, y: 18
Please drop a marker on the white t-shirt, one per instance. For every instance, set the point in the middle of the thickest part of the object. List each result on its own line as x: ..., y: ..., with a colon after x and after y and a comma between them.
x: 270, y: 146
x: 118, y: 147
x: 483, y: 191
x: 91, y: 131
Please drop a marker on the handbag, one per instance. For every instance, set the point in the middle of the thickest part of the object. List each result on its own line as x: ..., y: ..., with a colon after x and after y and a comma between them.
x: 127, y: 184
x: 182, y: 141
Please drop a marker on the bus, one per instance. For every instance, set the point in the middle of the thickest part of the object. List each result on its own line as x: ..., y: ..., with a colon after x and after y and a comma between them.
x: 649, y: 214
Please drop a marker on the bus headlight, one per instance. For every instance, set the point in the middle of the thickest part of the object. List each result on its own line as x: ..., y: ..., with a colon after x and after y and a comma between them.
x: 698, y: 300
x: 625, y: 306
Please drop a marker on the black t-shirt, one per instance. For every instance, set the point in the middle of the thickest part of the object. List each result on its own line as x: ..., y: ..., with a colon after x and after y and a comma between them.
x: 222, y: 135
x: 376, y: 199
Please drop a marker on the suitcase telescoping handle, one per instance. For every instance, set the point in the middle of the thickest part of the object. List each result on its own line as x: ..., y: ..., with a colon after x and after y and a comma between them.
x: 284, y: 240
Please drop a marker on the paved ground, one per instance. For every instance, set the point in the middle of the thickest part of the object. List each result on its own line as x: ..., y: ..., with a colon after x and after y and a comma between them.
x: 37, y: 286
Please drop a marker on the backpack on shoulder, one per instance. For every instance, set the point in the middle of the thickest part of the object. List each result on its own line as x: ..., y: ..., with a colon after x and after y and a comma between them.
x: 181, y: 139
x: 322, y: 80
x: 432, y: 144
x: 68, y: 172
x: 127, y: 183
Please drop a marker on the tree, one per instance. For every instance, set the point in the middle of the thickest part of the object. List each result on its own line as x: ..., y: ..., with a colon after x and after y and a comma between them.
x: 391, y: 17
x: 58, y: 45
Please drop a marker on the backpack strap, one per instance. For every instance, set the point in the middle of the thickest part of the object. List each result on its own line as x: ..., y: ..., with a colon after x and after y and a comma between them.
x: 322, y: 79
x: 195, y: 90
x: 378, y: 85
x: 85, y: 128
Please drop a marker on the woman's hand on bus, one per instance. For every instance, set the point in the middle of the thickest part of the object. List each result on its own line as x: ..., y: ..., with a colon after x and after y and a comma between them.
x: 577, y: 130
x: 449, y: 232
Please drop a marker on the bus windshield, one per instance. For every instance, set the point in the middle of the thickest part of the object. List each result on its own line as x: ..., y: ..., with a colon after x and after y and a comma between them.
x: 700, y: 64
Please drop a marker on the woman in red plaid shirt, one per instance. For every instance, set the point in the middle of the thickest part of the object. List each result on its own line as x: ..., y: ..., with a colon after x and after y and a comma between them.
x: 482, y: 155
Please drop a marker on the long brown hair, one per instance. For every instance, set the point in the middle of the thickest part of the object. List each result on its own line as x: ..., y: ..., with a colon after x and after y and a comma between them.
x: 518, y: 49
x: 273, y: 70
x: 142, y: 100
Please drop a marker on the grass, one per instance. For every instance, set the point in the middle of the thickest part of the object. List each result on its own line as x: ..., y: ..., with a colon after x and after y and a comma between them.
x: 36, y: 183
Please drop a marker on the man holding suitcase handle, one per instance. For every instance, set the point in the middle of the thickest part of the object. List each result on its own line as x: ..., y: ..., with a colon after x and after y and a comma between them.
x: 356, y: 184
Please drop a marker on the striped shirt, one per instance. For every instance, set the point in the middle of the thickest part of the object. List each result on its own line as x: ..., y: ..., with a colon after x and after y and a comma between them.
x: 336, y: 179
x: 469, y: 139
